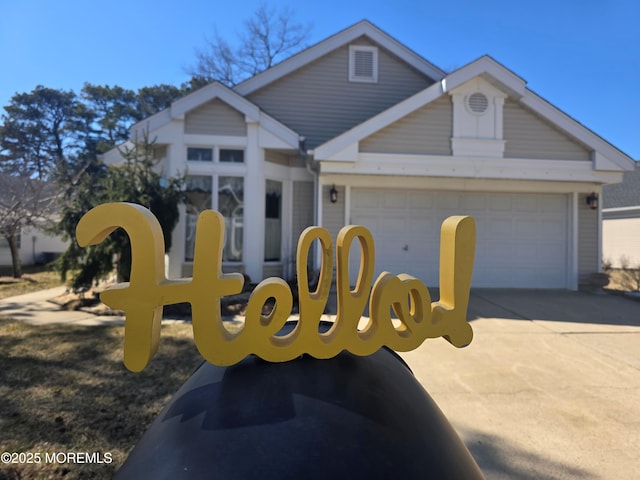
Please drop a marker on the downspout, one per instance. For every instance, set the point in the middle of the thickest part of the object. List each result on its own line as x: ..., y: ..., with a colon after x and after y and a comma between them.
x: 314, y: 174
x: 316, y: 195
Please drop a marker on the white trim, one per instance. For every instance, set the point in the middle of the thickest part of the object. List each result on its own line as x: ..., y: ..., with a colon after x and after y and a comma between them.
x: 620, y: 160
x: 599, y: 227
x: 622, y: 209
x: 479, y: 147
x: 283, y: 136
x: 280, y: 136
x: 346, y: 141
x: 506, y: 79
x: 332, y: 43
x: 461, y: 184
x: 471, y: 167
x: 607, y: 156
x: 353, y: 50
x: 347, y: 204
x: 318, y: 220
x: 573, y: 242
x: 199, y: 140
x: 210, y: 92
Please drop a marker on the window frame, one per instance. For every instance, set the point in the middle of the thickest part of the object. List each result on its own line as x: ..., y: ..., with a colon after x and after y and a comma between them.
x: 215, y: 154
x: 353, y: 50
x: 214, y: 204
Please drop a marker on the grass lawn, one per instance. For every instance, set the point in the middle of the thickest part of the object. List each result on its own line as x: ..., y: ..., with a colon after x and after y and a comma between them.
x: 33, y: 279
x: 65, y: 389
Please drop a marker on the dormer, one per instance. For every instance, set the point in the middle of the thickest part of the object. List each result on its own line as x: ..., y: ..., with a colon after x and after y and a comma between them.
x: 477, y: 119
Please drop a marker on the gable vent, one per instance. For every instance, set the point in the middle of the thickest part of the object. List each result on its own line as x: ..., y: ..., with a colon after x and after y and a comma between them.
x: 477, y: 103
x: 363, y: 64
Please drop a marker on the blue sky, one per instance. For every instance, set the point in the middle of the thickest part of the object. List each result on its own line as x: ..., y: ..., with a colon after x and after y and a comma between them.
x: 581, y: 55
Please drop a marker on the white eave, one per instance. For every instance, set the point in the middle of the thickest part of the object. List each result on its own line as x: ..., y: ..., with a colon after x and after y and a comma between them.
x: 494, y: 72
x: 344, y: 148
x: 338, y: 40
x: 280, y: 136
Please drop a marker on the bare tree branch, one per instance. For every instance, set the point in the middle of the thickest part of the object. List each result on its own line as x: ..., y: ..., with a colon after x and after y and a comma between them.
x: 269, y: 36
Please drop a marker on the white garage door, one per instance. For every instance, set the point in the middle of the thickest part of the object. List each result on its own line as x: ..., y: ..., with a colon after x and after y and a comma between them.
x: 521, y: 238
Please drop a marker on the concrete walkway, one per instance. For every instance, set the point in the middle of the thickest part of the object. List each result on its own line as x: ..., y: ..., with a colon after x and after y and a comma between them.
x: 549, y: 388
x: 36, y: 309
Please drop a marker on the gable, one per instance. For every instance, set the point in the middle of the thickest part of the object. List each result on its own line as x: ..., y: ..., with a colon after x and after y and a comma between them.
x: 319, y: 102
x: 528, y: 135
x: 215, y: 118
x: 427, y: 131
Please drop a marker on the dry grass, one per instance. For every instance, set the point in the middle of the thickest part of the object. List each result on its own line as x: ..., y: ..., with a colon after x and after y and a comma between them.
x: 624, y: 280
x: 33, y: 280
x: 65, y: 389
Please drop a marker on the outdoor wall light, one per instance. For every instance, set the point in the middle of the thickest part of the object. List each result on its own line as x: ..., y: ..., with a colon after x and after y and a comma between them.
x: 592, y: 200
x: 333, y: 194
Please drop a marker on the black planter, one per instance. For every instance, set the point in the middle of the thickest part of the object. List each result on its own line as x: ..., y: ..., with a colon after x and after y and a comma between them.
x: 347, y: 417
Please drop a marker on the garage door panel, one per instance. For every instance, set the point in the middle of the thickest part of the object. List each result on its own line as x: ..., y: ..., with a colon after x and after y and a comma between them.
x: 525, y: 204
x: 521, y: 238
x: 365, y: 199
x: 473, y: 203
x: 394, y: 200
x: 446, y: 201
x: 554, y: 228
x: 500, y: 203
x: 494, y: 228
x: 552, y: 204
x: 391, y: 224
x: 421, y: 200
x: 524, y: 228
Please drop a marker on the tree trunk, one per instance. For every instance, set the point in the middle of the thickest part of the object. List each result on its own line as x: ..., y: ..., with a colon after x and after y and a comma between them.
x: 12, y: 239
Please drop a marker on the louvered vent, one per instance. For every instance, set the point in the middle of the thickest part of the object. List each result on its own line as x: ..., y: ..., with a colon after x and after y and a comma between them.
x: 477, y: 103
x: 363, y: 64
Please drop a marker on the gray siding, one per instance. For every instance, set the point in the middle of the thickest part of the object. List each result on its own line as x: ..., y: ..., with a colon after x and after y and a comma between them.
x: 215, y: 118
x: 333, y: 213
x: 280, y: 158
x: 625, y: 194
x: 319, y: 102
x: 274, y: 270
x: 587, y: 240
x: 426, y: 131
x: 529, y: 136
x: 302, y: 211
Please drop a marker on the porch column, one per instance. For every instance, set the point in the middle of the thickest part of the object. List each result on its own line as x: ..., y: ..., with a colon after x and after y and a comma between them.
x: 254, y: 194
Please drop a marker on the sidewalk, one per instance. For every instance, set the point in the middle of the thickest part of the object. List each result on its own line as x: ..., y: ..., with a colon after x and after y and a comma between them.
x: 36, y: 309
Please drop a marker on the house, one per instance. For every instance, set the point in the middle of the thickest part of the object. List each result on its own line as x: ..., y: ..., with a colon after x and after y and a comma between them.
x: 359, y: 129
x: 621, y: 221
x: 35, y: 247
x: 27, y: 198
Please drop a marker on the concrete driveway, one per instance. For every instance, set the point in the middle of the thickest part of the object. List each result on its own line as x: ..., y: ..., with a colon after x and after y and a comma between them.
x: 549, y: 387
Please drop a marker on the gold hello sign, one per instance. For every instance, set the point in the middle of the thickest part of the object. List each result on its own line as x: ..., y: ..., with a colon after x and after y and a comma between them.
x: 148, y: 290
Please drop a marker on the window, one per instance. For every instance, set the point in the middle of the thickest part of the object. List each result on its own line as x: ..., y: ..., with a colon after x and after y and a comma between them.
x: 197, y: 199
x: 231, y: 206
x: 199, y: 154
x: 4, y: 243
x: 363, y: 64
x: 230, y: 203
x: 222, y: 155
x: 228, y: 155
x: 273, y: 221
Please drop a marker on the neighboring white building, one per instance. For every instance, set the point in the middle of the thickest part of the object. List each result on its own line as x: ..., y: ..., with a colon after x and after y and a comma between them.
x: 36, y: 247
x: 621, y: 221
x: 402, y: 145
